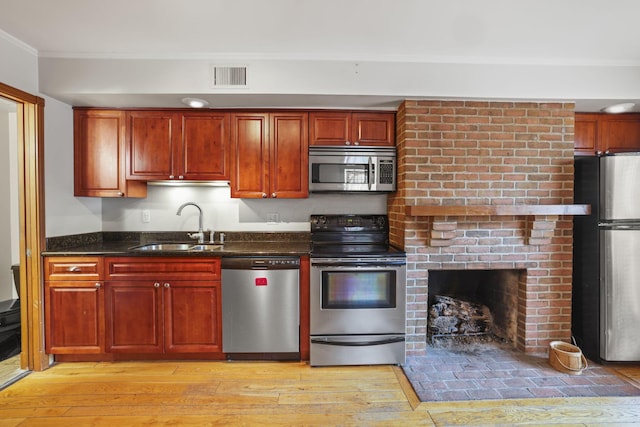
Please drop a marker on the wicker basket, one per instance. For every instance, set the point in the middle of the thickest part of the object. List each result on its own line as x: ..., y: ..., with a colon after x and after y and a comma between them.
x: 567, y: 358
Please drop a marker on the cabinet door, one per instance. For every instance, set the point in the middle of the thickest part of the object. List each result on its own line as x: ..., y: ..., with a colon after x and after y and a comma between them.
x: 99, y: 155
x: 621, y: 133
x: 289, y: 155
x: 134, y: 317
x: 585, y: 134
x: 74, y: 317
x: 192, y: 313
x: 152, y: 138
x: 250, y: 146
x: 329, y: 128
x: 204, y: 146
x: 373, y: 129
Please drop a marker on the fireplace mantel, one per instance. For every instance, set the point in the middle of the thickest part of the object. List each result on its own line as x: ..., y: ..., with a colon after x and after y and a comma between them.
x: 540, y: 224
x: 489, y: 210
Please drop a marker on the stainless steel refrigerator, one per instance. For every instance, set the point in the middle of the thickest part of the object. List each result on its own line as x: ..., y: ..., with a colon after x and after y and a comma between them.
x: 606, y: 282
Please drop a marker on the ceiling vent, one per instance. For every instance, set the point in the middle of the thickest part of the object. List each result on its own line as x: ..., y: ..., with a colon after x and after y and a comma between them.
x: 229, y: 76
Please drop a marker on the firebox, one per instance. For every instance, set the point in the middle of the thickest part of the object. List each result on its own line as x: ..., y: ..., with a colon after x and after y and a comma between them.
x: 467, y: 300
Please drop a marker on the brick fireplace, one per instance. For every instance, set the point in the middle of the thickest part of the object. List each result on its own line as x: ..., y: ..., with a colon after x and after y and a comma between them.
x: 482, y: 186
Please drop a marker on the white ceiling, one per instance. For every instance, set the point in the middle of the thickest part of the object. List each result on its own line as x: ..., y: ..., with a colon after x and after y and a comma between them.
x: 556, y: 34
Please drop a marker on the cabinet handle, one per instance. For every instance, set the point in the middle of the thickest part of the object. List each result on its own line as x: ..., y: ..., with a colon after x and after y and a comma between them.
x: 167, y: 285
x: 74, y: 269
x: 274, y: 195
x: 264, y: 195
x: 156, y: 285
x: 98, y: 285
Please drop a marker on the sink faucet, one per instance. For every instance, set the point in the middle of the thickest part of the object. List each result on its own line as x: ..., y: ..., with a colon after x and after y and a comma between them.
x: 200, y: 234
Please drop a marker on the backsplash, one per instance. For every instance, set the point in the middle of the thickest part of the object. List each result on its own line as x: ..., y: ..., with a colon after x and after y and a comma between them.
x: 223, y: 213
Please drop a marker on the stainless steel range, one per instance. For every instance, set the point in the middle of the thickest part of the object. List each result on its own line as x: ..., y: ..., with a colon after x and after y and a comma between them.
x: 358, y: 292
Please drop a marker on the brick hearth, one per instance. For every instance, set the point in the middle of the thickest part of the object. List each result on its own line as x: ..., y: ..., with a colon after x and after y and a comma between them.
x: 470, y: 153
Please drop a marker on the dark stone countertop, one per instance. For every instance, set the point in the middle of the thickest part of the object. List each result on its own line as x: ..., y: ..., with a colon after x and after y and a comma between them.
x: 124, y: 244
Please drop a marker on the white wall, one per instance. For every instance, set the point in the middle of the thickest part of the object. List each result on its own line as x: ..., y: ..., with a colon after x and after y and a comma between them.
x: 65, y: 214
x: 306, y: 83
x: 19, y: 64
x: 19, y: 69
x: 222, y: 213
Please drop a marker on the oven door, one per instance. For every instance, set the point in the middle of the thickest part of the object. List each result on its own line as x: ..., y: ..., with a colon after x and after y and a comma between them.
x: 357, y: 296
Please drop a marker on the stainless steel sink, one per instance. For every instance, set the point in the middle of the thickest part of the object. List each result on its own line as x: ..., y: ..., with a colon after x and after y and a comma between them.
x: 177, y: 247
x: 206, y: 247
x: 152, y: 247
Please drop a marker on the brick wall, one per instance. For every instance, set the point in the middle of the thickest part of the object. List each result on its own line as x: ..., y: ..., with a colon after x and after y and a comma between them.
x: 487, y: 153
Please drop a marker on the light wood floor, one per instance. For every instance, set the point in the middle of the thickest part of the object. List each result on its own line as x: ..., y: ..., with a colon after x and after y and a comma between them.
x: 272, y: 394
x: 9, y: 370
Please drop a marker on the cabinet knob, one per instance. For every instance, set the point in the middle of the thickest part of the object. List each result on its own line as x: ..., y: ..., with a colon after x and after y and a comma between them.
x: 156, y: 285
x: 120, y: 193
x: 181, y: 177
x: 171, y: 176
x: 98, y: 285
x: 356, y: 143
x: 347, y: 143
x: 274, y: 195
x: 167, y: 285
x: 264, y: 195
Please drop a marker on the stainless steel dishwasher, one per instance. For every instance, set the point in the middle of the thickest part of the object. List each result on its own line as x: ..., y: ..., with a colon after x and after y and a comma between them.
x: 260, y: 307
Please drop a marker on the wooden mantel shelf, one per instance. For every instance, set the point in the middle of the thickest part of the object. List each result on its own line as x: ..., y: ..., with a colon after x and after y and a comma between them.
x: 489, y: 210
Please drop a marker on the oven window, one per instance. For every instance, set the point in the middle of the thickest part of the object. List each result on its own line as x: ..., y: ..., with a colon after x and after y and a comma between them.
x: 358, y: 289
x: 335, y: 173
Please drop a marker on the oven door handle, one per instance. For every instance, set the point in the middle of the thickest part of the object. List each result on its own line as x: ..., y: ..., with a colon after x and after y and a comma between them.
x: 340, y: 343
x: 346, y: 265
x: 372, y: 174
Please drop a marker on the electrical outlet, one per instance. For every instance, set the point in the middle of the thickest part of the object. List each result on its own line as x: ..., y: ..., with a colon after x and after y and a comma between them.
x: 273, y: 218
x: 146, y: 215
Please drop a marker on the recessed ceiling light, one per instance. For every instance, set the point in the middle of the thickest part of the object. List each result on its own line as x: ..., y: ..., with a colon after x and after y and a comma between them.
x: 195, y: 102
x: 619, y: 108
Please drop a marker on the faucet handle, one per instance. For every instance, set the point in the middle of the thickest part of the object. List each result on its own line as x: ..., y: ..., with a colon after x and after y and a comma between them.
x: 212, y: 235
x: 199, y: 235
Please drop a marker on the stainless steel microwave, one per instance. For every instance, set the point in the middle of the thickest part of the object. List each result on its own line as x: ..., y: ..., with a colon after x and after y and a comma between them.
x: 352, y: 169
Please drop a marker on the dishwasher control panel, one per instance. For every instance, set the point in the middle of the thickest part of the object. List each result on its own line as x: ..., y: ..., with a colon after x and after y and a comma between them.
x: 261, y: 263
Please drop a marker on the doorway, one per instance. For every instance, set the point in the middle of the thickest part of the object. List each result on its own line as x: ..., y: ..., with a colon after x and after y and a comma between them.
x: 25, y: 231
x: 10, y: 333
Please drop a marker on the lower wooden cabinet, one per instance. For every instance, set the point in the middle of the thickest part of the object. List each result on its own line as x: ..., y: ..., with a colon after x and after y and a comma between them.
x: 163, y: 305
x: 133, y: 306
x: 74, y: 305
x: 75, y: 317
x: 163, y: 316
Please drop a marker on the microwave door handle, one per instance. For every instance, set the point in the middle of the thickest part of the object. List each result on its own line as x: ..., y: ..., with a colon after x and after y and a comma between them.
x: 372, y: 175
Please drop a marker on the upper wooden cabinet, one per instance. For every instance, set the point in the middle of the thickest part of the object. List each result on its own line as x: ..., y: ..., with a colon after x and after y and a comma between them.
x: 99, y: 155
x: 166, y: 145
x: 270, y: 155
x: 606, y: 133
x: 351, y: 128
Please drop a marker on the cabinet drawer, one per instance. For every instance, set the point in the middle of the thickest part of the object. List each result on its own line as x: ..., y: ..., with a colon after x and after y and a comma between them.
x: 158, y: 268
x: 73, y: 268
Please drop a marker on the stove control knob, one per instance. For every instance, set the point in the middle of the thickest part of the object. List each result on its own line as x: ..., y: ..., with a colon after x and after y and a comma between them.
x: 381, y: 222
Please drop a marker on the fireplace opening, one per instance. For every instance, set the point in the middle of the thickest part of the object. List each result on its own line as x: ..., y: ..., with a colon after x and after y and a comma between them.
x: 469, y: 303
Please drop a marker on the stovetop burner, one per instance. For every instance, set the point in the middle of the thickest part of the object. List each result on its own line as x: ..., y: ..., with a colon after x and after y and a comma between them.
x: 351, y: 236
